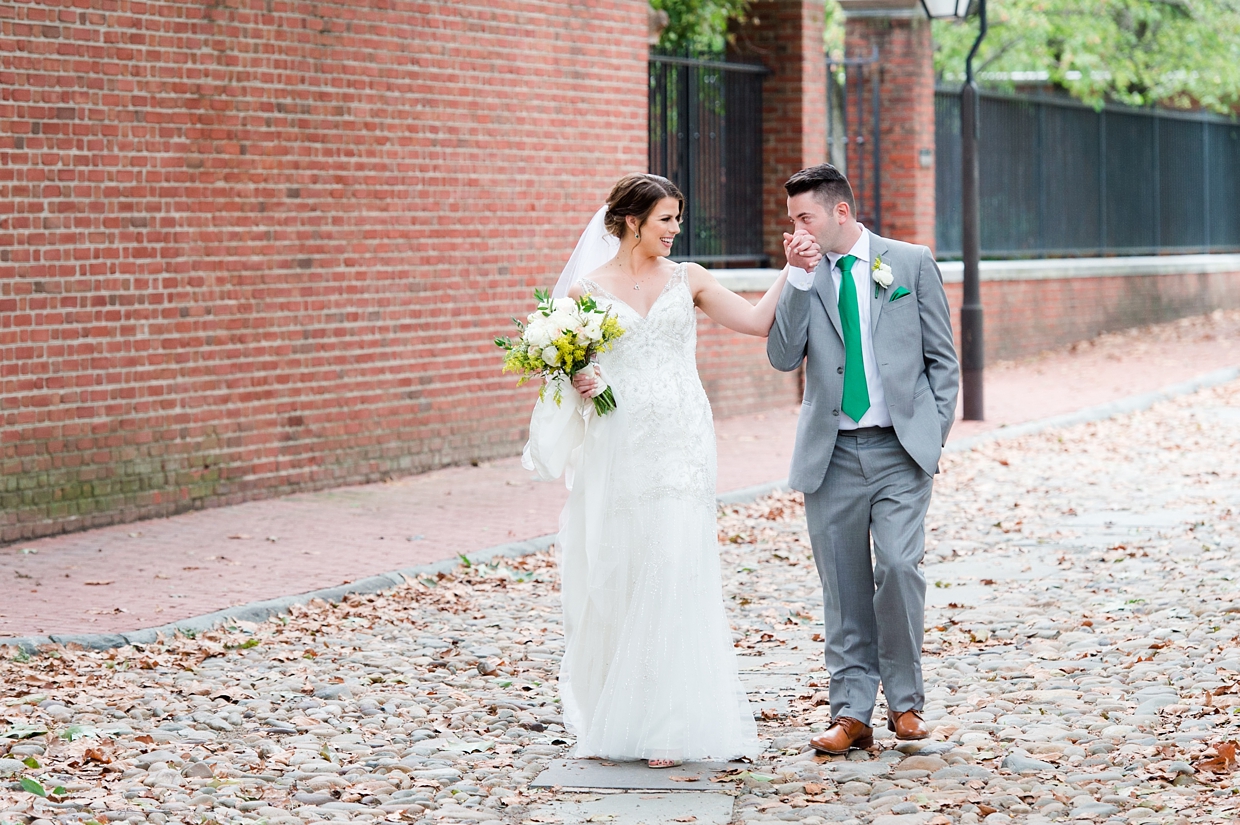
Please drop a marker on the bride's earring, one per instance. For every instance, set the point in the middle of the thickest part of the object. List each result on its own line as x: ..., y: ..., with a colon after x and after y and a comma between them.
x: 637, y: 236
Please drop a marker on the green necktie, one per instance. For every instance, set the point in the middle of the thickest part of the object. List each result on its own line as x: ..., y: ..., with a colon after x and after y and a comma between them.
x: 856, y: 394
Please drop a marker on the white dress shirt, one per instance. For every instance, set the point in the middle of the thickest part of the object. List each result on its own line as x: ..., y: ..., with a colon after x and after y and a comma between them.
x: 877, y: 415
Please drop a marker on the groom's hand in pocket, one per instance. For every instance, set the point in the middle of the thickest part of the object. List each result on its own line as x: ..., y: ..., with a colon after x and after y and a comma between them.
x: 802, y: 250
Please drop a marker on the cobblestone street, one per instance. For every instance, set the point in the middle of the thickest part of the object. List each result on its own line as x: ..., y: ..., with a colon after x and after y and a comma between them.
x: 1082, y: 663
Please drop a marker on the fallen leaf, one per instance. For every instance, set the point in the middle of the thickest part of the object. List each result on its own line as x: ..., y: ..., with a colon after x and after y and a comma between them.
x: 32, y: 786
x: 99, y: 583
x: 1224, y: 762
x: 684, y: 778
x: 813, y: 789
x: 690, y: 818
x: 96, y: 755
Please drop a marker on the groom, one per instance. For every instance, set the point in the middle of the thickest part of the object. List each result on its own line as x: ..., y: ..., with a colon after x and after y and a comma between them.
x: 870, y: 320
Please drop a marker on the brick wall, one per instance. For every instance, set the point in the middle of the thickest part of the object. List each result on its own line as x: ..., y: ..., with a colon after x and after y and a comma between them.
x: 1024, y: 317
x: 786, y: 36
x: 254, y: 247
x: 736, y: 374
x: 906, y: 119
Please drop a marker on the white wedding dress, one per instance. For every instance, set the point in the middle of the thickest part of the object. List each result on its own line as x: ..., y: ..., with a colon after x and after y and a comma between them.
x: 649, y: 670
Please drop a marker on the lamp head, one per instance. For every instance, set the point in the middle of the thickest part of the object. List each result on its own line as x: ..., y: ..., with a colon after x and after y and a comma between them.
x: 948, y: 9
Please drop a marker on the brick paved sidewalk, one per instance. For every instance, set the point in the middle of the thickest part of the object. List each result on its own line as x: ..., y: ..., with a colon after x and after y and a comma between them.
x: 154, y: 572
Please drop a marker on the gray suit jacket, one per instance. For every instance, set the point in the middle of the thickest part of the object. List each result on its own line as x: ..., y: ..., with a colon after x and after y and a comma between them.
x: 912, y: 344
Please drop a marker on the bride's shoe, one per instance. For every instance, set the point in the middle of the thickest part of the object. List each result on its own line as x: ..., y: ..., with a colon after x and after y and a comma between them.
x: 664, y: 763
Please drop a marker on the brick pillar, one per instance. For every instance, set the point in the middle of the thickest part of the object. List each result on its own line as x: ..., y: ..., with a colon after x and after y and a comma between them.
x: 786, y: 36
x: 901, y: 32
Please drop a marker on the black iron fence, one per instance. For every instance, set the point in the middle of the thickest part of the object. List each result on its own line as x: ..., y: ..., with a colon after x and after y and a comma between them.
x: 1062, y: 179
x: 706, y: 137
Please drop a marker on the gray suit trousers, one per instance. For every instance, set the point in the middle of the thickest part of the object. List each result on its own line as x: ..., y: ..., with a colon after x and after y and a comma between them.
x: 873, y: 611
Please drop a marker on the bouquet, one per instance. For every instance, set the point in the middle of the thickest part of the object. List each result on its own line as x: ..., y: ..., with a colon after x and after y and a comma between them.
x: 558, y: 340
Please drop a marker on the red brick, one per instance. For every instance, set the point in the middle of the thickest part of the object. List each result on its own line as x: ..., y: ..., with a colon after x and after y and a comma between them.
x: 217, y: 220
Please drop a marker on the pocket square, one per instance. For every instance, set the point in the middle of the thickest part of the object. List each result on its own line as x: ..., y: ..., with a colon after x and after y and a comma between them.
x: 898, y: 294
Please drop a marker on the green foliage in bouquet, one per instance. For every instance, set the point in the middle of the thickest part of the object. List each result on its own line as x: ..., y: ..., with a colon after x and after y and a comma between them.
x: 560, y: 338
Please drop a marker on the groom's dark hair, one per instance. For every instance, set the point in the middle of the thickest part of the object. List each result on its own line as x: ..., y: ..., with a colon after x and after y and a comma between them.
x: 826, y: 182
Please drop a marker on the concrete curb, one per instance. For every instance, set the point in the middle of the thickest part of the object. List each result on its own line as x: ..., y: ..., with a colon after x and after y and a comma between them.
x: 262, y: 610
x: 748, y: 494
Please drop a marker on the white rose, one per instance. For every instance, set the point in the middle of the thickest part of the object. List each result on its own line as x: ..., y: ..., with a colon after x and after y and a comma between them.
x: 567, y: 305
x: 560, y: 321
x: 551, y: 355
x: 539, y: 333
x: 882, y: 275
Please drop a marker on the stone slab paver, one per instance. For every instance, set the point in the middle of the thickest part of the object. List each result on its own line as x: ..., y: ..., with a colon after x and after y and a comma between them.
x: 639, y: 809
x: 601, y: 773
x: 150, y: 573
x: 1100, y: 685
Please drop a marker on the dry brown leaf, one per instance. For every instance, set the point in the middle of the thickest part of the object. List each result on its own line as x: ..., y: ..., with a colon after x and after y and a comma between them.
x: 96, y: 755
x: 99, y: 583
x: 1224, y: 762
x: 684, y: 778
x: 813, y: 788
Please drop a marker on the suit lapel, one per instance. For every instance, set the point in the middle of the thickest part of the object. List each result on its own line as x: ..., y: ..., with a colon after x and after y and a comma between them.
x: 878, y: 248
x: 825, y: 290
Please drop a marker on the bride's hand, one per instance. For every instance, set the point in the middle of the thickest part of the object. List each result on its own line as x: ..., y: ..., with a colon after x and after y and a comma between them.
x: 587, y: 382
x: 802, y: 250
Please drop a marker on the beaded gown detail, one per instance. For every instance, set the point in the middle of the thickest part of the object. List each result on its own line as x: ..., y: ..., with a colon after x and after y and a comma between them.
x: 649, y: 670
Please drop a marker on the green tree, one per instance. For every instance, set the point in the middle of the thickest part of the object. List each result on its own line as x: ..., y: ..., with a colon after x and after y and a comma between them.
x: 1178, y: 53
x: 698, y: 27
x: 701, y: 26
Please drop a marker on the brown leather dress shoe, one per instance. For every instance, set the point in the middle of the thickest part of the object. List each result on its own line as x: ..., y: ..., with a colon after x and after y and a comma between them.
x: 907, y: 724
x: 845, y: 733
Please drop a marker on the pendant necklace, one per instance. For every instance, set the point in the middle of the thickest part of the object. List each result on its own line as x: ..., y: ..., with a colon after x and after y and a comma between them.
x: 633, y: 278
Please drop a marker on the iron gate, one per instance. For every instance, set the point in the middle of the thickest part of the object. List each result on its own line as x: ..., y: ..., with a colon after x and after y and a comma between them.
x: 706, y: 137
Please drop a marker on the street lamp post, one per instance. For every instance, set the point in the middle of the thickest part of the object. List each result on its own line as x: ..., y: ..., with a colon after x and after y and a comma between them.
x: 972, y: 349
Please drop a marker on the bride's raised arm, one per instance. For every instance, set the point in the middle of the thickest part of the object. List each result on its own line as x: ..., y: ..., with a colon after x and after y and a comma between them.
x: 728, y: 309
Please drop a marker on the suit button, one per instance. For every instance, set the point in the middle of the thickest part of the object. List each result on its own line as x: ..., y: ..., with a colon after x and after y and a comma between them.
x: 839, y: 370
x: 835, y: 412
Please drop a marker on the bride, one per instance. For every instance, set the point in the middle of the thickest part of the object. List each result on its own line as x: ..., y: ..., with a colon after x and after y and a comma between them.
x: 649, y: 671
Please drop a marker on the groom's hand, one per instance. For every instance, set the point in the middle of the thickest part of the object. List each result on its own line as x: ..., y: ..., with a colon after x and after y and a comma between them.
x: 802, y: 250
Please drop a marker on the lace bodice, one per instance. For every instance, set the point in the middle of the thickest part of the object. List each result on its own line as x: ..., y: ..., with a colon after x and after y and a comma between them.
x: 653, y: 372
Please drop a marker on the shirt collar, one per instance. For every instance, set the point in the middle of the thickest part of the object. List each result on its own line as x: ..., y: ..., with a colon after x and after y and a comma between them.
x: 860, y: 250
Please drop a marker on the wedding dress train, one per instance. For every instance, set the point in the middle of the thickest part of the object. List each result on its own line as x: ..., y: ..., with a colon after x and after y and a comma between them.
x: 649, y: 670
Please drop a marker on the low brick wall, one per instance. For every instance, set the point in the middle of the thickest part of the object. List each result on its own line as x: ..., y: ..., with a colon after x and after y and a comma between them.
x: 737, y: 377
x: 1030, y: 306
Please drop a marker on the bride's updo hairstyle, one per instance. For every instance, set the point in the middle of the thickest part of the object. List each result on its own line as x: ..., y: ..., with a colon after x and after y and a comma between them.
x: 636, y: 196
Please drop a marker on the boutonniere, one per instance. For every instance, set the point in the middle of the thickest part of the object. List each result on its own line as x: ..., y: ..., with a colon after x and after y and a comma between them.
x: 881, y: 273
